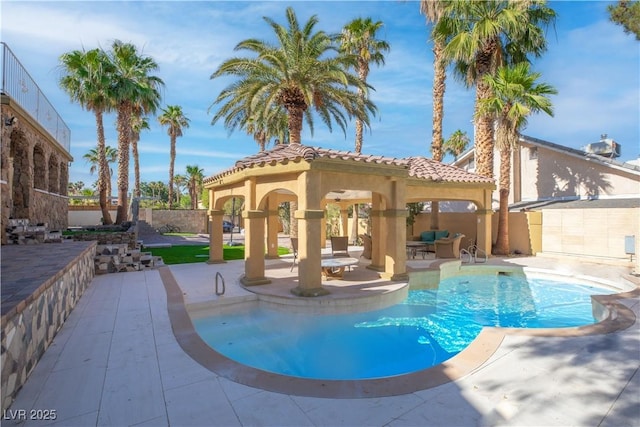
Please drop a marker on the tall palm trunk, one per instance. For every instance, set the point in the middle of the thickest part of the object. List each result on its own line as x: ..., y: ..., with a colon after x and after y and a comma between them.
x: 136, y: 163
x: 502, y: 241
x: 124, y: 137
x: 261, y: 137
x: 484, y: 135
x: 103, y: 170
x: 362, y: 73
x: 439, y: 86
x: 172, y: 161
x: 295, y: 137
x: 295, y: 125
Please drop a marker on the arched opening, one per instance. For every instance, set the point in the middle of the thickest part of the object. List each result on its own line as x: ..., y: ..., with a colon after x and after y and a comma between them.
x: 21, y: 184
x: 64, y: 178
x: 39, y: 168
x: 53, y: 174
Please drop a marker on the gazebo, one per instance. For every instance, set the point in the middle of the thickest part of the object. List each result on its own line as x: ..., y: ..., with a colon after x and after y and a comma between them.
x: 312, y: 176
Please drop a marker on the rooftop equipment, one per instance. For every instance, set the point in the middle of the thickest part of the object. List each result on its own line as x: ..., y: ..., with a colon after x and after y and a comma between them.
x: 606, y: 147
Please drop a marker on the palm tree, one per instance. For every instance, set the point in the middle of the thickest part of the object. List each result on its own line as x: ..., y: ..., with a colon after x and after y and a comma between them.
x: 195, y: 175
x: 486, y: 35
x: 92, y: 157
x: 516, y: 95
x: 359, y: 39
x: 173, y: 117
x: 456, y: 144
x: 86, y: 78
x: 138, y: 123
x: 296, y: 74
x: 264, y: 129
x: 433, y: 10
x: 132, y: 85
x: 240, y: 110
x: 75, y: 188
x: 180, y: 182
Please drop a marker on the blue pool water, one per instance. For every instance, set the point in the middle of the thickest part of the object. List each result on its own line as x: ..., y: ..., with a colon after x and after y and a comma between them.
x: 429, y: 327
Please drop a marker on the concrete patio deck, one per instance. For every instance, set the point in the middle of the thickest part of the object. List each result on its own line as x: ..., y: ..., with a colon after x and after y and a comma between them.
x: 116, y: 362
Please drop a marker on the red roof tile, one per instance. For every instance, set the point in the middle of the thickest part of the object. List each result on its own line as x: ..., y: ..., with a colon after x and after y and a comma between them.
x: 418, y: 167
x: 421, y: 167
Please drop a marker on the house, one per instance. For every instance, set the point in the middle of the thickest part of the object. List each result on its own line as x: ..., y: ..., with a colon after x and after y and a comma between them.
x: 543, y: 173
x: 589, y: 201
x: 35, y: 152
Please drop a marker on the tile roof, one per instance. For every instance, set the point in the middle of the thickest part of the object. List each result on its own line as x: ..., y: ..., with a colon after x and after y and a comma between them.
x: 565, y: 149
x: 418, y: 167
x: 421, y: 167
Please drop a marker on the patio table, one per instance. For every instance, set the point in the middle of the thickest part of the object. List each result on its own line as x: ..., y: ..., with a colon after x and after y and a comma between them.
x: 413, y: 246
x: 333, y: 268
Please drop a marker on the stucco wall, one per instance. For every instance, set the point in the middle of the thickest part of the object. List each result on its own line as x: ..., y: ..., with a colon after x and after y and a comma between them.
x: 590, y: 232
x: 524, y: 228
x: 557, y: 174
x: 581, y: 232
x: 81, y: 216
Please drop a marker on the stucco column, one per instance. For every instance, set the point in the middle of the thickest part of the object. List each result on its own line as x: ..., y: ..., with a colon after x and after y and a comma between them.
x: 323, y: 230
x: 309, y: 254
x: 378, y: 241
x: 395, y: 266
x: 216, y: 255
x: 254, y: 252
x: 272, y: 234
x: 483, y: 230
x: 272, y: 228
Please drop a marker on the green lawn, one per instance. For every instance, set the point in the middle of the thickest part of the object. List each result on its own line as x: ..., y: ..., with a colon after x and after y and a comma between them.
x: 180, y: 234
x: 185, y: 254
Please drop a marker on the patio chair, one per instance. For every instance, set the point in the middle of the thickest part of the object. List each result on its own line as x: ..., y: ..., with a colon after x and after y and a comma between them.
x: 340, y: 246
x: 449, y: 247
x: 294, y: 248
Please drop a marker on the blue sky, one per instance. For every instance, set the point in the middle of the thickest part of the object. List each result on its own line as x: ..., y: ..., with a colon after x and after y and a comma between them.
x: 592, y: 63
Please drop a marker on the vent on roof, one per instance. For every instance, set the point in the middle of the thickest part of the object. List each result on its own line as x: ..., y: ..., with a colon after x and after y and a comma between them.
x: 606, y: 147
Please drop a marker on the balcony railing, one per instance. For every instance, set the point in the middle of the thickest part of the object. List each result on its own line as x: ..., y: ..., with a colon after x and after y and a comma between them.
x: 21, y: 88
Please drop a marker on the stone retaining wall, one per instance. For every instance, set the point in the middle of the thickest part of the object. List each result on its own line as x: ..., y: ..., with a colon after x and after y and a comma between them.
x: 28, y: 330
x: 49, y: 208
x: 111, y: 238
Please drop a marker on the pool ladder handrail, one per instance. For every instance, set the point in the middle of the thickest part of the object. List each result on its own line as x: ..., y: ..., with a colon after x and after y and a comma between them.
x: 474, y: 253
x: 224, y: 287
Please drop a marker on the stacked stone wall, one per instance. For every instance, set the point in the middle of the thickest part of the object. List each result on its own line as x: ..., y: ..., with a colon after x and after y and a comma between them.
x: 189, y: 221
x: 27, y: 330
x: 19, y: 198
x: 112, y: 238
x: 51, y: 209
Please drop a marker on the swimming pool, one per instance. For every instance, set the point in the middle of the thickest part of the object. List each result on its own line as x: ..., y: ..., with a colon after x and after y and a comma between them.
x: 428, y: 328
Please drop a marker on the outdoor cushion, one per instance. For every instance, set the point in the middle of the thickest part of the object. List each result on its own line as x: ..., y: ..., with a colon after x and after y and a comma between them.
x: 427, y: 236
x: 441, y: 234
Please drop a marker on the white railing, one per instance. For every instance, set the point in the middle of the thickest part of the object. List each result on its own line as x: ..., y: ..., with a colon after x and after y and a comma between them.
x: 21, y: 88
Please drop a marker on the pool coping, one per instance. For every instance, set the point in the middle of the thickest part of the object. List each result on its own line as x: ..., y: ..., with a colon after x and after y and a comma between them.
x: 617, y: 317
